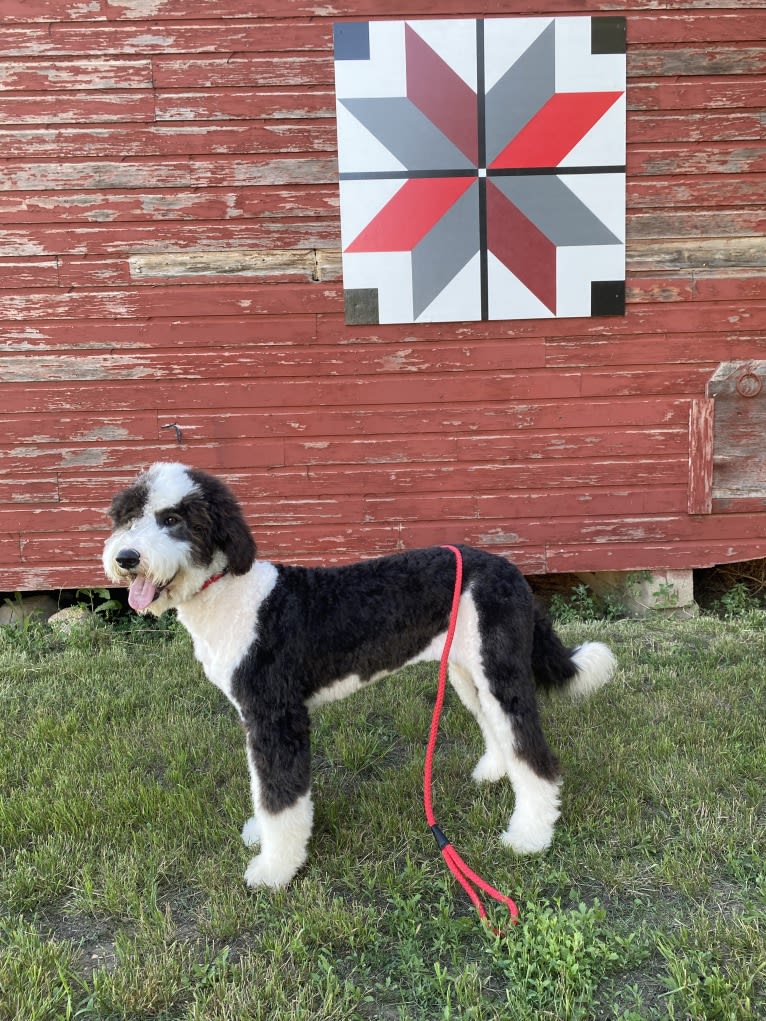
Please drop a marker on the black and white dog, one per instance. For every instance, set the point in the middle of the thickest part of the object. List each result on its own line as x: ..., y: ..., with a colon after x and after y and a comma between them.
x: 279, y: 640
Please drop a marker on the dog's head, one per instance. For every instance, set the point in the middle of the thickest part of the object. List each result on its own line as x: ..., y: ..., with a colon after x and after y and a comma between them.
x: 174, y: 528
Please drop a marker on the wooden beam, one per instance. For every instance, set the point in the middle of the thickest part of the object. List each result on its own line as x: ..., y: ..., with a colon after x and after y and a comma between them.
x: 701, y: 417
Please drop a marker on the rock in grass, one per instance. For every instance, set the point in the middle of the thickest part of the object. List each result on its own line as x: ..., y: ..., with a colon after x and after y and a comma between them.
x: 73, y: 618
x: 21, y: 608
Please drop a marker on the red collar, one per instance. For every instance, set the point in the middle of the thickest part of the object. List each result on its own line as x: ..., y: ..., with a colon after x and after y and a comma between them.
x: 213, y: 578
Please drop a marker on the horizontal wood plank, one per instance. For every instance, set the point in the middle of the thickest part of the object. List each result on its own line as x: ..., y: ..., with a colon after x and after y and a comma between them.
x: 210, y: 202
x: 51, y: 335
x: 31, y: 11
x: 218, y: 35
x: 144, y: 302
x: 711, y: 92
x: 709, y: 192
x: 34, y: 432
x: 698, y: 27
x: 78, y: 107
x: 62, y: 75
x: 728, y: 58
x: 252, y: 103
x: 680, y: 555
x: 696, y: 127
x: 110, y: 142
x: 243, y: 69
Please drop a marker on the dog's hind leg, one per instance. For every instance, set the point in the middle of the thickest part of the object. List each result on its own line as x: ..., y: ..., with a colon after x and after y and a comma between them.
x: 280, y: 785
x: 508, y: 706
x: 491, y: 766
x: 536, y: 781
x: 500, y: 661
x: 531, y: 766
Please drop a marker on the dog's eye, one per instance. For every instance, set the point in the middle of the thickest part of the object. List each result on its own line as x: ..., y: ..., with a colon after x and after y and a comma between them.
x: 169, y: 520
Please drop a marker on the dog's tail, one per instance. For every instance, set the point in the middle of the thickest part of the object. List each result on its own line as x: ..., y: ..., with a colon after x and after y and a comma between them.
x: 579, y: 671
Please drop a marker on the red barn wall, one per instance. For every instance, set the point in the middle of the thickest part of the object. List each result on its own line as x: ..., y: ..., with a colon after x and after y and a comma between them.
x: 169, y: 254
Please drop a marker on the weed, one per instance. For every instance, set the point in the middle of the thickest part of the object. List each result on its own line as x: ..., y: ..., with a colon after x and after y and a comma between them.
x: 580, y: 604
x: 738, y: 602
x: 559, y: 957
x: 98, y: 600
x: 29, y: 637
x: 583, y: 605
x: 665, y: 596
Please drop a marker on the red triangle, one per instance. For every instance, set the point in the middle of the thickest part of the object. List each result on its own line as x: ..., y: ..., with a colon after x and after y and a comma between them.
x: 410, y: 214
x: 556, y: 129
x: 521, y: 247
x: 441, y: 95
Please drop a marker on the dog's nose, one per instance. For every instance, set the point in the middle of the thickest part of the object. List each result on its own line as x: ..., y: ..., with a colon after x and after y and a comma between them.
x: 128, y: 559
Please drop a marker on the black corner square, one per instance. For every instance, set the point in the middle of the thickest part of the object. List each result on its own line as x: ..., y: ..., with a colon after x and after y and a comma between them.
x: 608, y: 34
x: 361, y: 306
x: 607, y: 298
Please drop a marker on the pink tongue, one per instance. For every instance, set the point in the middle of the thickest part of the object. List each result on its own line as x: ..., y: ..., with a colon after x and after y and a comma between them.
x: 141, y: 593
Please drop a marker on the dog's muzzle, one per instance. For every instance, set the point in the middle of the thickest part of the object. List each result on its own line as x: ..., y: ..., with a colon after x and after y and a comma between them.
x: 128, y: 559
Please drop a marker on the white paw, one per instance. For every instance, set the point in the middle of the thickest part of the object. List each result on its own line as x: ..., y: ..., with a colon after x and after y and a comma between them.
x: 251, y: 832
x: 262, y: 871
x: 489, y: 769
x: 525, y: 837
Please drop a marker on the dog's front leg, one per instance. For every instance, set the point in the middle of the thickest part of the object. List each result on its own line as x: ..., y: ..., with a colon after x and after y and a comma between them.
x: 279, y: 761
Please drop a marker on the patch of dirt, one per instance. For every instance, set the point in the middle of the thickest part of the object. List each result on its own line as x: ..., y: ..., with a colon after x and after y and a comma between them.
x: 94, y: 938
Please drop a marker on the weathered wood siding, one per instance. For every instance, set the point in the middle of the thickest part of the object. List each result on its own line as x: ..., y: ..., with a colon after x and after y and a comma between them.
x: 169, y: 255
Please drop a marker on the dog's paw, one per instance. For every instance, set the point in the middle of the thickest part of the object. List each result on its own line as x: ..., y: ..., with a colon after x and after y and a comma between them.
x: 489, y: 769
x: 262, y: 871
x: 524, y: 838
x: 251, y: 832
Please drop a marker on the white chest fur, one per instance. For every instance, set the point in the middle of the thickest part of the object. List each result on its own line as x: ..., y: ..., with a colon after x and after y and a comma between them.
x: 223, y: 621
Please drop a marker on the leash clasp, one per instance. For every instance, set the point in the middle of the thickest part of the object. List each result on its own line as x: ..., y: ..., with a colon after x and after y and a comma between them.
x: 439, y: 837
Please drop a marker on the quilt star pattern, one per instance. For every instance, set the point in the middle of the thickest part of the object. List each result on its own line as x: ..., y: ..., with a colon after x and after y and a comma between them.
x: 482, y: 168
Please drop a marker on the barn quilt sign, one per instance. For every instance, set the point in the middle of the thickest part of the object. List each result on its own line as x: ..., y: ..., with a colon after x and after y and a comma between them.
x: 482, y: 168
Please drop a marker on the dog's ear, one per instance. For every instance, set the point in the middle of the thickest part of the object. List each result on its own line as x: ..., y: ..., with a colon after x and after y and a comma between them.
x: 230, y: 533
x: 236, y: 541
x: 128, y: 503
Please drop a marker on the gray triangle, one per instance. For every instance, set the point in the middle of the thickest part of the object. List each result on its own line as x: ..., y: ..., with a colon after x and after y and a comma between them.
x: 555, y: 210
x: 522, y: 91
x: 445, y: 250
x: 407, y: 133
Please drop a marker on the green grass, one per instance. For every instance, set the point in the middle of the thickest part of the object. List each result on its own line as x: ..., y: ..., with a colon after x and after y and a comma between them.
x: 123, y: 788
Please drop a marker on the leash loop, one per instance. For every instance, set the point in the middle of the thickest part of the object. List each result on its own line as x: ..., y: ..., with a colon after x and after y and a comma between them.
x: 463, y: 873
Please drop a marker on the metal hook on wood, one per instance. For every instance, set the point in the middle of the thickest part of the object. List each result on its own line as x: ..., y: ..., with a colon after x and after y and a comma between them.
x: 179, y: 434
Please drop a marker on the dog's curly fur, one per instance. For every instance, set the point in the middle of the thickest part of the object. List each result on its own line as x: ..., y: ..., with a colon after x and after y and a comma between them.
x: 279, y: 640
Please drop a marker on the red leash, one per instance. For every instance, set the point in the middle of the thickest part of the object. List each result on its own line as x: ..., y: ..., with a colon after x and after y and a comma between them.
x: 467, y: 878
